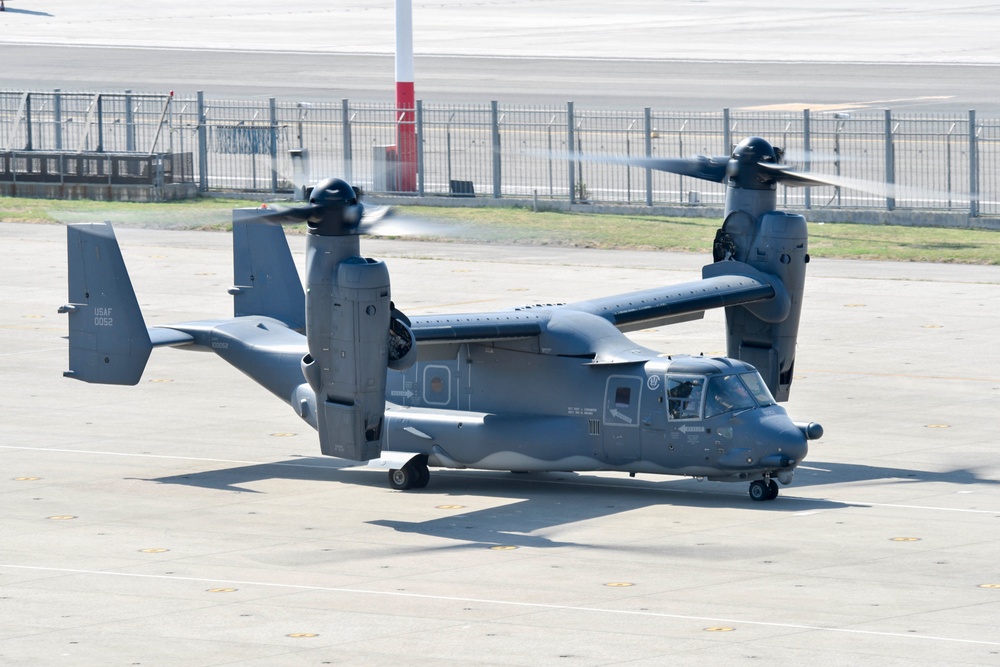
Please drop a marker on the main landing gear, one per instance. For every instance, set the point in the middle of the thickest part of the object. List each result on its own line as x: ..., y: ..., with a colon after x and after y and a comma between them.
x: 763, y: 489
x: 413, y: 475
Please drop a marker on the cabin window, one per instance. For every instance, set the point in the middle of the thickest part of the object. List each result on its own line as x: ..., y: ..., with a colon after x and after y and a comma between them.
x: 623, y: 396
x: 437, y: 385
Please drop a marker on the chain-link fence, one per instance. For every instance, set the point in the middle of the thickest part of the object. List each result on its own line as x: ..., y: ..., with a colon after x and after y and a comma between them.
x: 937, y: 162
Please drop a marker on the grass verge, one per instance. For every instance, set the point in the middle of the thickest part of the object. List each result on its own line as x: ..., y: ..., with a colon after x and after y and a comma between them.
x: 522, y: 226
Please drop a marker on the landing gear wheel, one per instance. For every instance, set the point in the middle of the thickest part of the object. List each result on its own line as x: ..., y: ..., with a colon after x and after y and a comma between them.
x: 759, y: 490
x: 772, y: 489
x: 413, y: 475
x: 403, y: 478
x: 423, y: 474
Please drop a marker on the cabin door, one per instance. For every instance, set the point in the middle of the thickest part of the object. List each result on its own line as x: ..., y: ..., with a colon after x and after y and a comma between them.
x: 621, y: 432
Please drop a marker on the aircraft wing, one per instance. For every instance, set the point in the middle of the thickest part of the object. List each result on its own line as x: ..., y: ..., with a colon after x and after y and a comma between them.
x: 724, y: 284
x: 476, y: 328
x: 679, y: 303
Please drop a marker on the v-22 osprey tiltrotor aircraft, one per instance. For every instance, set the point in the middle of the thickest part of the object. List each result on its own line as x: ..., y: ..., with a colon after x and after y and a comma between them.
x: 537, y: 388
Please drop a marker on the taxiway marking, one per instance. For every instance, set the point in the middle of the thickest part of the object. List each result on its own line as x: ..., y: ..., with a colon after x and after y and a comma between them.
x: 510, y: 603
x: 843, y: 106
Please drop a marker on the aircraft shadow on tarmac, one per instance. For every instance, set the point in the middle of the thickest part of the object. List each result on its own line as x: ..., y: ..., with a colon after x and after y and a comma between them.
x: 819, y: 473
x: 15, y: 10
x: 546, y: 501
x: 543, y: 500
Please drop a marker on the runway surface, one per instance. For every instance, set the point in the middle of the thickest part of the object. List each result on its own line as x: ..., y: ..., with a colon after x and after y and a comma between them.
x: 189, y: 520
x: 684, y: 56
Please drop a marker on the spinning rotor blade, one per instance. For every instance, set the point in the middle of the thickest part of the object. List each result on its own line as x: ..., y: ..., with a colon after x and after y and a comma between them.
x: 385, y: 221
x: 784, y: 175
x: 699, y: 166
x: 289, y: 215
x: 703, y: 167
x: 333, y: 210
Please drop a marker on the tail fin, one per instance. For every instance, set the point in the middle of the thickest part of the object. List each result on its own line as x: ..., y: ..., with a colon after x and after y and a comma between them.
x: 108, y: 340
x: 264, y: 275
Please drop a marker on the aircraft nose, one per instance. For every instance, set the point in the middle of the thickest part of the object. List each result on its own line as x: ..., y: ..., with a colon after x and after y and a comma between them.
x: 788, y: 448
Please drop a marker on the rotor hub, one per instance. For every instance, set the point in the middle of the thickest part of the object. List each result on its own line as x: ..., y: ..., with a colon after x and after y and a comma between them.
x: 337, y: 211
x: 743, y: 169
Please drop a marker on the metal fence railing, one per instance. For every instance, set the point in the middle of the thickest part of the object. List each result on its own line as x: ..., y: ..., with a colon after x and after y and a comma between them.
x: 940, y: 162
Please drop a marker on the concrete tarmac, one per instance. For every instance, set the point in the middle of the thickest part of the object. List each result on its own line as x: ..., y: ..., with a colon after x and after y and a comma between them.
x: 190, y: 521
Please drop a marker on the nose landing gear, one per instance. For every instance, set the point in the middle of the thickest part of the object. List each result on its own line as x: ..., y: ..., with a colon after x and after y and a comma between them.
x: 763, y: 489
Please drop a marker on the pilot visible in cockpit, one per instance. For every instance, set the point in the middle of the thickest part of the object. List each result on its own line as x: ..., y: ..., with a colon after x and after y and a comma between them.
x: 727, y: 394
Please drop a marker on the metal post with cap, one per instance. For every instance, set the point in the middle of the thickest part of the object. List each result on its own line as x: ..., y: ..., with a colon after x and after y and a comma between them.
x: 406, y: 132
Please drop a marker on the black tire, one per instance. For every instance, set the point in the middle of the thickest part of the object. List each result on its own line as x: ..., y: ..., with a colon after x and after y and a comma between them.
x: 403, y: 478
x: 423, y: 474
x: 772, y: 489
x: 759, y: 490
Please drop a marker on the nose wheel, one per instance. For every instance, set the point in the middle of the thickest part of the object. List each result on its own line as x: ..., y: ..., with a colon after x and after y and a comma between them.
x: 763, y: 489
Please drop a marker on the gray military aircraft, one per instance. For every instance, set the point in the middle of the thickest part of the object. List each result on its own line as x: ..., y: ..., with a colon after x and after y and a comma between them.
x: 535, y: 388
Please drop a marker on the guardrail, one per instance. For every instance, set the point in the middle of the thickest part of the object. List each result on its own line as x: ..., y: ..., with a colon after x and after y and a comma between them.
x: 947, y: 162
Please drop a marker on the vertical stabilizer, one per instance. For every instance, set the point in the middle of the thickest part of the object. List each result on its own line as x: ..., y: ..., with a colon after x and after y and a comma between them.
x: 108, y: 340
x: 265, y: 280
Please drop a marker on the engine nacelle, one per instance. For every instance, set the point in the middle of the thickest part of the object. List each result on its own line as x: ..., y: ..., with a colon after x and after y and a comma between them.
x: 347, y: 323
x: 776, y: 243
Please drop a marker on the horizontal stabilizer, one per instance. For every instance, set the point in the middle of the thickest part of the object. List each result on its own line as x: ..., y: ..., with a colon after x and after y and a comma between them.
x: 108, y: 341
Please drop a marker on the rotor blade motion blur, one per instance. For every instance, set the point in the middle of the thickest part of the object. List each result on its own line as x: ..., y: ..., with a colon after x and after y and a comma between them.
x: 699, y: 166
x: 789, y: 178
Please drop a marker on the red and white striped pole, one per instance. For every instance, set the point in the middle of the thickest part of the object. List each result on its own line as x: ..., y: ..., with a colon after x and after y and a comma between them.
x: 406, y: 128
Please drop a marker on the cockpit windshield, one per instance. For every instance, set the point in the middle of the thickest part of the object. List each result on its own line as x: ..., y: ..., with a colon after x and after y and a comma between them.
x: 755, y: 383
x: 732, y: 393
x: 694, y: 397
x: 726, y: 393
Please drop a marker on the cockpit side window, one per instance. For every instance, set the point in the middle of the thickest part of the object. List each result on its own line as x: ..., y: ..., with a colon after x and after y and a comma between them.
x: 727, y: 394
x: 684, y: 397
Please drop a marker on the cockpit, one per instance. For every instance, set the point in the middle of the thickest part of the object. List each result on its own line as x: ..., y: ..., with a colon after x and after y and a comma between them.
x: 696, y: 397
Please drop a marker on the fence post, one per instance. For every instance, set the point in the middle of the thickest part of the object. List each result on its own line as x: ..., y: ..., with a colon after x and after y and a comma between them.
x: 572, y: 149
x: 100, y: 123
x: 727, y: 134
x: 648, y: 149
x: 57, y: 117
x: 345, y: 126
x: 129, y: 123
x: 495, y: 141
x: 27, y: 122
x: 272, y: 109
x: 202, y: 144
x: 807, y: 149
x: 420, y: 147
x: 890, y: 160
x: 973, y: 166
